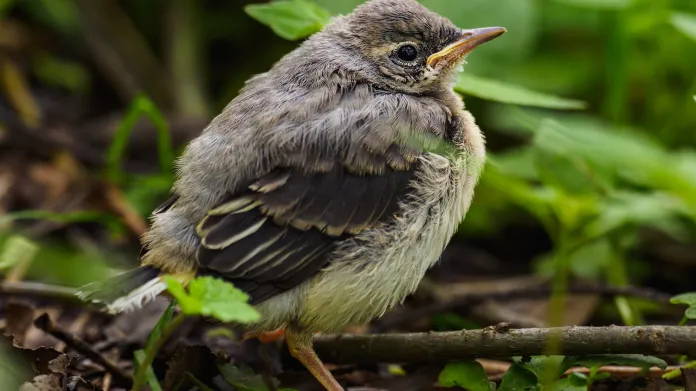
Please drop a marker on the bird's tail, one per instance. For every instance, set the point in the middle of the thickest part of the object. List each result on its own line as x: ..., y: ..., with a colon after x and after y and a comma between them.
x: 125, y: 291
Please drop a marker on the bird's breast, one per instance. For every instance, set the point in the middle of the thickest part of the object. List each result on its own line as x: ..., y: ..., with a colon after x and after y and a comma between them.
x: 379, y: 268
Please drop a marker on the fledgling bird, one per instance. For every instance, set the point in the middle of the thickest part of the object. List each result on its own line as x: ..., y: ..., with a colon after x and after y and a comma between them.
x: 308, y: 192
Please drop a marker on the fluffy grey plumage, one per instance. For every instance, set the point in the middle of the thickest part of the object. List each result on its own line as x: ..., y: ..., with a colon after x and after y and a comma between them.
x: 308, y: 191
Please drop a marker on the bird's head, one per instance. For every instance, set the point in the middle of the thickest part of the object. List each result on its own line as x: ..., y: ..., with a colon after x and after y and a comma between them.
x: 406, y: 47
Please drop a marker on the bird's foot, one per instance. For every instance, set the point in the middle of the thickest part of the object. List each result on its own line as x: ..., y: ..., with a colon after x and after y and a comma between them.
x: 300, y: 346
x: 265, y: 336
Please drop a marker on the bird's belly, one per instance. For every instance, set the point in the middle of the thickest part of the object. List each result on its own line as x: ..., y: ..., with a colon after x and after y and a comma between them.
x: 368, y: 276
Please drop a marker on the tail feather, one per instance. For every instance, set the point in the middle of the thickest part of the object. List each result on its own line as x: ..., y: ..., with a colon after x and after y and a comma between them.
x: 125, y: 291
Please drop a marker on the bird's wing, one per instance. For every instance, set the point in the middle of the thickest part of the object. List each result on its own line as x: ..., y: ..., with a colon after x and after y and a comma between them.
x: 278, y: 232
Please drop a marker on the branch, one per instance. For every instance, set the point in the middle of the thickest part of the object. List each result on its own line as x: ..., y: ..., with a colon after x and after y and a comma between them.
x: 37, y: 289
x: 500, y: 342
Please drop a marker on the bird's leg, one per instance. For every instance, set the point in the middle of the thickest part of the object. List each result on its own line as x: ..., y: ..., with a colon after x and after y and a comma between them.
x: 300, y: 346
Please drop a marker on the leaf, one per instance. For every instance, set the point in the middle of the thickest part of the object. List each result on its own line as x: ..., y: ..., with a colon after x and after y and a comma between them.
x: 568, y: 173
x: 578, y: 379
x: 17, y: 249
x: 684, y: 298
x: 517, y: 162
x: 498, y: 91
x: 657, y: 210
x: 610, y: 148
x: 545, y: 367
x: 690, y: 312
x: 139, y: 356
x: 291, y: 19
x: 599, y: 4
x: 570, y: 383
x: 465, y: 374
x: 686, y: 23
x: 214, y: 297
x: 518, y: 378
x: 590, y: 261
x: 688, y: 299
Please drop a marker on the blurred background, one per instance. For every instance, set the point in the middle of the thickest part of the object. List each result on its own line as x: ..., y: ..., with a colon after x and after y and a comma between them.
x: 588, y: 106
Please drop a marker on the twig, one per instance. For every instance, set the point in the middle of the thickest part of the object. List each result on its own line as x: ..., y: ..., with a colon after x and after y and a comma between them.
x: 37, y: 289
x: 501, y: 343
x: 44, y: 323
x: 471, y: 299
x: 119, y: 204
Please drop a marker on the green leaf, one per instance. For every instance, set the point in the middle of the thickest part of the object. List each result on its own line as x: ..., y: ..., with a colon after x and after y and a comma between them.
x: 610, y: 148
x: 570, y: 383
x: 688, y: 299
x: 214, y: 297
x: 590, y: 261
x: 517, y: 162
x: 291, y: 19
x: 684, y: 298
x: 686, y: 23
x: 599, y: 4
x: 498, y: 91
x: 657, y: 210
x: 518, y: 378
x: 578, y: 379
x: 546, y: 368
x: 465, y: 374
x: 139, y: 356
x: 17, y: 248
x: 690, y: 312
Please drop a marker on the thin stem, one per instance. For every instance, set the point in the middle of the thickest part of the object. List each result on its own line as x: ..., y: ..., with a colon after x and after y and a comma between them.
x: 677, y: 372
x: 684, y: 320
x: 559, y: 290
x: 139, y: 380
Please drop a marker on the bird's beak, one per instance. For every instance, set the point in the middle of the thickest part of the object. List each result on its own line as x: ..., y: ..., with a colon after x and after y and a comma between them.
x: 468, y: 40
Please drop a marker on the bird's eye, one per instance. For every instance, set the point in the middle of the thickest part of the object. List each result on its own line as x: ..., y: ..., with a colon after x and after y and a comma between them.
x: 407, y: 53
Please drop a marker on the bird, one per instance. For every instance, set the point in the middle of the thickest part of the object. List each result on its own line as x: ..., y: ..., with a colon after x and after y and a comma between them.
x: 330, y: 184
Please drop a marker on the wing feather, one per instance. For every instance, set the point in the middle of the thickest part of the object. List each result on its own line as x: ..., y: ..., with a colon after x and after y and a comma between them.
x: 280, y: 231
